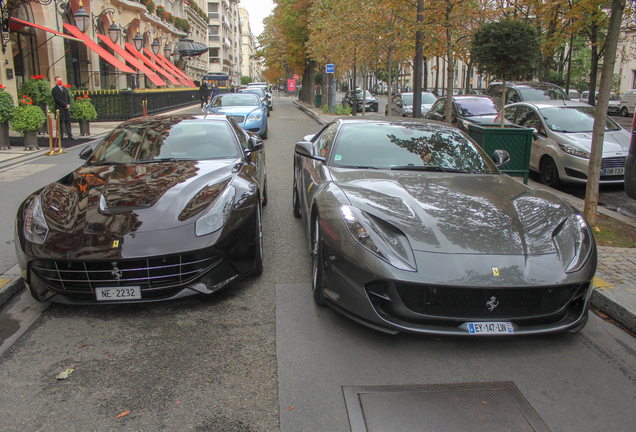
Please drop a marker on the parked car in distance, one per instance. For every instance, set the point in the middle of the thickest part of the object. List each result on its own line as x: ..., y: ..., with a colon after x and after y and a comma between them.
x: 164, y: 207
x: 562, y: 141
x: 630, y: 164
x: 246, y: 109
x: 370, y: 101
x: 402, y: 104
x: 628, y: 103
x: 262, y: 94
x: 413, y: 228
x: 574, y: 94
x: 476, y: 109
x: 613, y: 106
x: 519, y: 91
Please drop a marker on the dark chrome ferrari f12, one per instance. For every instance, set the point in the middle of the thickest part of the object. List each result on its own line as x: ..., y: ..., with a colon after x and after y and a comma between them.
x: 413, y: 228
x: 163, y: 208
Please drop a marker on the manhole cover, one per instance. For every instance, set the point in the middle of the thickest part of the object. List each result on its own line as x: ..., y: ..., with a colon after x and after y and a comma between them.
x: 472, y: 407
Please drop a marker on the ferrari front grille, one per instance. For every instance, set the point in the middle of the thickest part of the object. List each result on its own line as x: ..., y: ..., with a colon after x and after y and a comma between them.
x: 148, y: 273
x: 478, y: 303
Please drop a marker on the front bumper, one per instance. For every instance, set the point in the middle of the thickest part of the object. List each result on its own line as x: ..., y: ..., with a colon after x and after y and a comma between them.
x: 379, y: 296
x: 574, y: 169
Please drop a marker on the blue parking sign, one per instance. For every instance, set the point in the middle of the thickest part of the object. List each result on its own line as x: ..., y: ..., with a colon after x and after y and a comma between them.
x: 330, y: 68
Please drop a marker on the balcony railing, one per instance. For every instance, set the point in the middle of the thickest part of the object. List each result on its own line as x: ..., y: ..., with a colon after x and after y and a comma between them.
x: 214, y: 15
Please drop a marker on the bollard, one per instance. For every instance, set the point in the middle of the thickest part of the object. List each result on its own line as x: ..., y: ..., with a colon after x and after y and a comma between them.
x: 144, y: 103
x: 49, y: 120
x: 59, y: 135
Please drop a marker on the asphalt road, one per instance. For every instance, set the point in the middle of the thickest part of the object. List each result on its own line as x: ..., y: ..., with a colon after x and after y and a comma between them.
x: 260, y: 356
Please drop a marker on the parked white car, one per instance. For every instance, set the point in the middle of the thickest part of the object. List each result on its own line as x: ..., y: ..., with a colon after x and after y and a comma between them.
x: 628, y: 103
x: 614, y: 106
x: 562, y: 141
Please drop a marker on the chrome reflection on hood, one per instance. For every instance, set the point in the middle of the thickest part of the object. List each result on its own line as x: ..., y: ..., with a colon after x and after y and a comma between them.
x: 463, y: 213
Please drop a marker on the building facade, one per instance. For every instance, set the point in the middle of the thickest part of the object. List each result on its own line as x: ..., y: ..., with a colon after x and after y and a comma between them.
x: 43, y: 39
x: 224, y: 38
x: 250, y: 67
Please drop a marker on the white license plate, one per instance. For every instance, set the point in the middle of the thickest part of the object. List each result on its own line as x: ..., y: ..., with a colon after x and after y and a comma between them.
x: 118, y: 293
x: 613, y: 171
x: 491, y: 328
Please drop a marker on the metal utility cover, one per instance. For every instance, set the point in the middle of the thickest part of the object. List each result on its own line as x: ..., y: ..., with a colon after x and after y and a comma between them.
x: 468, y: 407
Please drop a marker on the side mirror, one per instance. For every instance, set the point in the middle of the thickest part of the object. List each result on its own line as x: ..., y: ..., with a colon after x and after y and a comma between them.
x: 264, y: 103
x: 535, y: 134
x: 255, y: 143
x: 306, y: 149
x: 86, y: 153
x: 501, y: 157
x: 308, y: 138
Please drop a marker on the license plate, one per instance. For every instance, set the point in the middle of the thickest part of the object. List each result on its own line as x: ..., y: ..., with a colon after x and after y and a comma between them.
x: 491, y: 328
x: 118, y: 293
x: 613, y: 171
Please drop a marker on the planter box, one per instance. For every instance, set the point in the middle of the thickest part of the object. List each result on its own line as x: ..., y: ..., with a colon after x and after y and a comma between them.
x: 85, y: 128
x: 514, y: 139
x: 31, y: 141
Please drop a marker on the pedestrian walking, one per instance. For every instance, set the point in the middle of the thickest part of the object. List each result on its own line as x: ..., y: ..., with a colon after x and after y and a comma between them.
x: 214, y: 91
x: 204, y: 93
x: 62, y: 104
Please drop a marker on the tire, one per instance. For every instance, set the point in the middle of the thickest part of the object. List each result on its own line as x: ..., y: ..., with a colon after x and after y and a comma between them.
x: 296, y: 201
x: 264, y: 134
x: 268, y: 113
x: 624, y: 112
x: 317, y: 265
x: 258, y: 260
x: 549, y: 173
x: 265, y: 196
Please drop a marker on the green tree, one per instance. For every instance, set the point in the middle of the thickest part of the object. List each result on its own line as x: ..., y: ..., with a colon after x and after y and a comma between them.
x: 504, y: 49
x: 246, y: 80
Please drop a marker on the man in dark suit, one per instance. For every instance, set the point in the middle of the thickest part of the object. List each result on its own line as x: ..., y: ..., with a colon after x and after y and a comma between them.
x: 62, y: 103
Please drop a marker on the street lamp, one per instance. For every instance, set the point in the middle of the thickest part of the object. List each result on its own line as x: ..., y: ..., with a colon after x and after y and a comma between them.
x: 138, y: 41
x: 166, y: 50
x: 82, y: 19
x: 176, y: 55
x: 113, y: 33
x: 155, y: 46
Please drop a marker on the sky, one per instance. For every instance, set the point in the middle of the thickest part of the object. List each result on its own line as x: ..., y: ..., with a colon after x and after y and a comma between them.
x: 258, y: 9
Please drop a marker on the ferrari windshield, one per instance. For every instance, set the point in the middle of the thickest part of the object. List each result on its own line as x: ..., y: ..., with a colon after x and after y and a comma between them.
x: 236, y: 99
x: 574, y: 119
x: 167, y: 139
x: 409, y: 147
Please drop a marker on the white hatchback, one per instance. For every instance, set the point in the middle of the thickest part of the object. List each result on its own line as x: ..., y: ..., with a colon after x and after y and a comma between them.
x: 562, y: 141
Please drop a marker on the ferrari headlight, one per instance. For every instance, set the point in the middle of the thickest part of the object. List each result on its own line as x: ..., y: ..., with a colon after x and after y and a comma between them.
x: 35, y: 227
x: 216, y: 216
x: 574, y: 242
x: 379, y: 237
x: 575, y: 151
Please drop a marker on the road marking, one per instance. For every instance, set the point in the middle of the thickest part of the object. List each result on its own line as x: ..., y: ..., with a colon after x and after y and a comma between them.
x: 601, y: 284
x: 22, y: 171
x: 3, y: 282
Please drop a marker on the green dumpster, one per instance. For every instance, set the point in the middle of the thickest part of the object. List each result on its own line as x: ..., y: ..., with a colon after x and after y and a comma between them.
x: 514, y: 139
x: 318, y: 100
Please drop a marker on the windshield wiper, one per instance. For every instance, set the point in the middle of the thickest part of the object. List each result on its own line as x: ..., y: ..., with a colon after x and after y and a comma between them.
x: 155, y: 160
x: 357, y: 167
x: 102, y: 163
x: 430, y: 168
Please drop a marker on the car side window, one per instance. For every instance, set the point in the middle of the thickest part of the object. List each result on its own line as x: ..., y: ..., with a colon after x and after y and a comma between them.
x: 240, y: 133
x: 527, y: 117
x: 510, y: 114
x: 441, y: 107
x: 325, y: 140
x: 513, y: 96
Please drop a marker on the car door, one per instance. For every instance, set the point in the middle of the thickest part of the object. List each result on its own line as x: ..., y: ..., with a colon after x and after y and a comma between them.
x: 255, y: 159
x: 527, y: 116
x: 313, y: 173
x: 397, y: 108
x: 437, y: 110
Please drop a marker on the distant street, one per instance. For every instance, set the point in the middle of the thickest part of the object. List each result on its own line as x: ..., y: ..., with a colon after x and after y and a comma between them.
x: 261, y: 356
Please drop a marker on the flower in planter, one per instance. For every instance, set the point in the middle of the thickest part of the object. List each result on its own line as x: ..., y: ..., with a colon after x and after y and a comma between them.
x: 82, y: 108
x: 26, y: 116
x: 38, y: 89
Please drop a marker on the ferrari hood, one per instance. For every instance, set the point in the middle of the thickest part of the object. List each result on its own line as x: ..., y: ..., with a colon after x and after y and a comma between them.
x: 123, y: 199
x: 449, y: 213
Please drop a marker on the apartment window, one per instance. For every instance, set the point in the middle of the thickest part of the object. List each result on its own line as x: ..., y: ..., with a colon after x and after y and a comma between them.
x: 214, y: 52
x: 213, y: 7
x: 214, y: 30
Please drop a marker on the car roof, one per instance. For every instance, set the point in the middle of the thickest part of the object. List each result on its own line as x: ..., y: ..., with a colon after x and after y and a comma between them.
x: 533, y: 84
x: 151, y: 120
x: 555, y: 103
x: 398, y: 121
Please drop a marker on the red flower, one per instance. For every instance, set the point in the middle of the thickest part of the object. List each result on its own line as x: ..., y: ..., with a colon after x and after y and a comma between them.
x: 26, y: 100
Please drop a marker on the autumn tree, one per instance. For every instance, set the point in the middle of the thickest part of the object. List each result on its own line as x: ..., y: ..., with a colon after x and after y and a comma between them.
x: 504, y: 49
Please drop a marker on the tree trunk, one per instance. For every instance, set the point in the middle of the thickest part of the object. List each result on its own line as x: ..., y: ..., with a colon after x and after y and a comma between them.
x: 600, y: 118
x: 503, y: 101
x: 594, y: 66
x: 436, y: 75
x: 388, y: 87
x: 364, y: 91
x: 417, y: 73
x: 308, y: 81
x: 567, y: 77
x: 450, y: 63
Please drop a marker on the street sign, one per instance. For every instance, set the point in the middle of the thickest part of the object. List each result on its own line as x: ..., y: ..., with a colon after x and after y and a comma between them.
x: 295, y: 77
x: 291, y: 85
x: 330, y: 68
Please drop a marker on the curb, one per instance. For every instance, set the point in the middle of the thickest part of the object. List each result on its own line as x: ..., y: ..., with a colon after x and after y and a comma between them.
x: 310, y: 113
x: 606, y: 302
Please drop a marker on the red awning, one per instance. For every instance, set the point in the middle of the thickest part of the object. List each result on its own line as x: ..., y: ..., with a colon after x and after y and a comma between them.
x: 99, y: 50
x: 46, y: 29
x: 162, y: 65
x: 150, y: 63
x: 133, y: 61
x: 176, y: 69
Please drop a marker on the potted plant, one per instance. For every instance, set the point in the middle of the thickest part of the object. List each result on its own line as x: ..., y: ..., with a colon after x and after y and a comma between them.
x: 27, y: 118
x: 7, y: 107
x: 83, y: 110
x: 38, y: 90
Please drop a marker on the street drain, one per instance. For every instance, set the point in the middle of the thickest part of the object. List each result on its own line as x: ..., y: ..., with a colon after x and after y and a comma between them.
x: 470, y: 407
